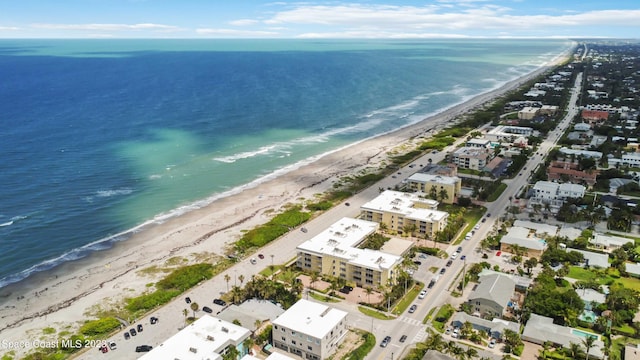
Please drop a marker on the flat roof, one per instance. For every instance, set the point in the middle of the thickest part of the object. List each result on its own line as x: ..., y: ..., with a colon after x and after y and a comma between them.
x: 204, y: 338
x: 397, y: 246
x: 594, y: 259
x: 609, y: 240
x: 440, y: 179
x: 311, y: 318
x: 342, y: 237
x: 403, y: 203
x: 539, y: 228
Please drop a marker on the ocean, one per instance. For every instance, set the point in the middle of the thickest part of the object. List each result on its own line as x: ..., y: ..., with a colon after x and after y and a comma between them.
x: 100, y: 138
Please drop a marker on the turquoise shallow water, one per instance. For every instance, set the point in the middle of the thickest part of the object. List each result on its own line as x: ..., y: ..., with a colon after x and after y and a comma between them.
x: 100, y: 136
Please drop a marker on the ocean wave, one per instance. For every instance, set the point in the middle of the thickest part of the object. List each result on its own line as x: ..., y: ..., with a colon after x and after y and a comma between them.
x: 71, y: 255
x: 13, y: 220
x: 109, y: 193
x: 8, y: 223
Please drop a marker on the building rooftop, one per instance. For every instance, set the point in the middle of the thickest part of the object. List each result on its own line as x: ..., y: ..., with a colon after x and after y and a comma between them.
x: 539, y: 228
x: 440, y: 179
x: 342, y: 237
x: 405, y: 204
x: 609, y: 240
x: 593, y: 258
x: 541, y: 328
x: 205, y: 338
x: 591, y: 296
x: 520, y: 236
x: 310, y: 318
x: 496, y: 287
x: 250, y: 311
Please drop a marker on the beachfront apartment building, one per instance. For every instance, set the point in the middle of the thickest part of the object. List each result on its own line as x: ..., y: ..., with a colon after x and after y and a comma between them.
x: 310, y: 330
x: 506, y: 133
x: 334, y: 252
x: 473, y: 158
x: 579, y: 152
x: 570, y: 171
x: 479, y: 143
x: 405, y: 212
x: 205, y: 338
x: 441, y: 185
x: 528, y: 113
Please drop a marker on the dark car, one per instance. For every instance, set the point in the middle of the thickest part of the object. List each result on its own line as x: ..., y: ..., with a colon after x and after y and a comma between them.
x: 443, y: 270
x: 103, y: 349
x: 207, y: 309
x: 463, y: 257
x: 449, y: 262
x: 403, y: 338
x: 417, y: 263
x: 431, y: 283
x: 133, y: 332
x: 483, y: 220
x: 187, y: 300
x: 153, y: 320
x: 219, y: 302
x: 347, y: 204
x: 385, y: 341
x: 459, y: 249
x: 260, y: 256
x: 489, y: 215
x: 143, y: 348
x: 139, y: 327
x: 127, y: 336
x: 413, y: 308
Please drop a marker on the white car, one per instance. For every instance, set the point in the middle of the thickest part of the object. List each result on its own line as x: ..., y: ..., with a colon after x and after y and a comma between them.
x: 423, y: 293
x: 454, y: 255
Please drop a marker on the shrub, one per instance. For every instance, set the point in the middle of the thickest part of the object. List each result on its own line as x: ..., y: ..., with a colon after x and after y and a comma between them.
x: 362, y: 350
x: 186, y: 277
x: 149, y: 301
x: 102, y: 326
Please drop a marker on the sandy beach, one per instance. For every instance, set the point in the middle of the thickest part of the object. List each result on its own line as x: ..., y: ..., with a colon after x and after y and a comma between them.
x: 66, y: 295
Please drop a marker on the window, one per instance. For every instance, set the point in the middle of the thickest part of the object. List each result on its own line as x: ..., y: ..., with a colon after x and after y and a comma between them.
x: 293, y: 333
x: 283, y: 330
x: 293, y: 342
x: 310, y: 348
x: 284, y: 338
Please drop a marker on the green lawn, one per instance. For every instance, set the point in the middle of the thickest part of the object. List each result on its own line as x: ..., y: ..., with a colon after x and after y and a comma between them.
x: 442, y: 317
x: 374, y: 313
x: 496, y: 194
x: 407, y: 299
x: 579, y: 273
x: 323, y: 298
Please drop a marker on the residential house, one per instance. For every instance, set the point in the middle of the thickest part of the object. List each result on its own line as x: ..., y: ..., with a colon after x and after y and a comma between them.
x: 494, y: 328
x: 608, y: 243
x: 594, y: 117
x: 540, y: 329
x: 479, y: 143
x: 528, y: 113
x: 205, y: 338
x: 523, y: 238
x: 569, y: 171
x: 401, y: 212
x: 334, y: 252
x: 584, y: 153
x: 492, y: 296
x: 424, y: 183
x: 310, y: 330
x: 593, y: 258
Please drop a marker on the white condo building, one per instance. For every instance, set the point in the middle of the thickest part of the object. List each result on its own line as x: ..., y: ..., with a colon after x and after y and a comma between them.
x: 206, y: 338
x: 310, y: 330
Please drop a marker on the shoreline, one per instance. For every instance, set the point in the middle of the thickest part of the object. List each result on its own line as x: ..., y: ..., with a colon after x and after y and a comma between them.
x: 65, y: 292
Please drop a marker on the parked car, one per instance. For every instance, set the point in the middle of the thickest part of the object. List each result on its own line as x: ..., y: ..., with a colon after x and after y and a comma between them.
x: 253, y: 261
x: 459, y: 249
x: 403, y: 338
x: 133, y: 332
x: 463, y: 257
x: 443, y: 270
x: 112, y: 345
x: 140, y: 328
x: 207, y: 309
x: 417, y: 263
x: 385, y: 341
x: 423, y: 293
x: 431, y: 283
x: 413, y: 308
x: 187, y: 300
x: 219, y: 302
x: 492, y: 343
x: 260, y: 256
x: 454, y: 255
x: 127, y: 336
x: 143, y: 348
x: 449, y: 263
x: 153, y: 320
x: 103, y: 348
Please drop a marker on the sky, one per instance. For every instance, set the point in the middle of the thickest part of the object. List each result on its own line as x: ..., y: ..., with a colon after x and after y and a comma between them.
x: 385, y: 19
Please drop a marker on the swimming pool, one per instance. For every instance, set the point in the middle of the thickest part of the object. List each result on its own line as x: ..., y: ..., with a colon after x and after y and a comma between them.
x: 584, y: 334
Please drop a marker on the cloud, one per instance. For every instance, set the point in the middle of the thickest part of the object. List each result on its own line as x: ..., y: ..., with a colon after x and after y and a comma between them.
x: 236, y: 33
x: 243, y: 22
x: 475, y: 15
x: 107, y: 27
x: 8, y: 28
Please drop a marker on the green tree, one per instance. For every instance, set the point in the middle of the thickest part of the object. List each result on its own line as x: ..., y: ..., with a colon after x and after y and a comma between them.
x: 227, y: 278
x: 194, y: 307
x: 588, y: 343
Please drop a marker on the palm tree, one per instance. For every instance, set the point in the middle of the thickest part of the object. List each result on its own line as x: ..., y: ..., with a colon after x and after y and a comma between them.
x: 588, y: 343
x: 313, y: 278
x: 471, y: 353
x: 368, y: 291
x: 545, y: 347
x: 435, y: 341
x: 185, y: 312
x: 227, y: 278
x: 194, y: 307
x: 443, y: 195
x: 241, y: 278
x: 574, y: 350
